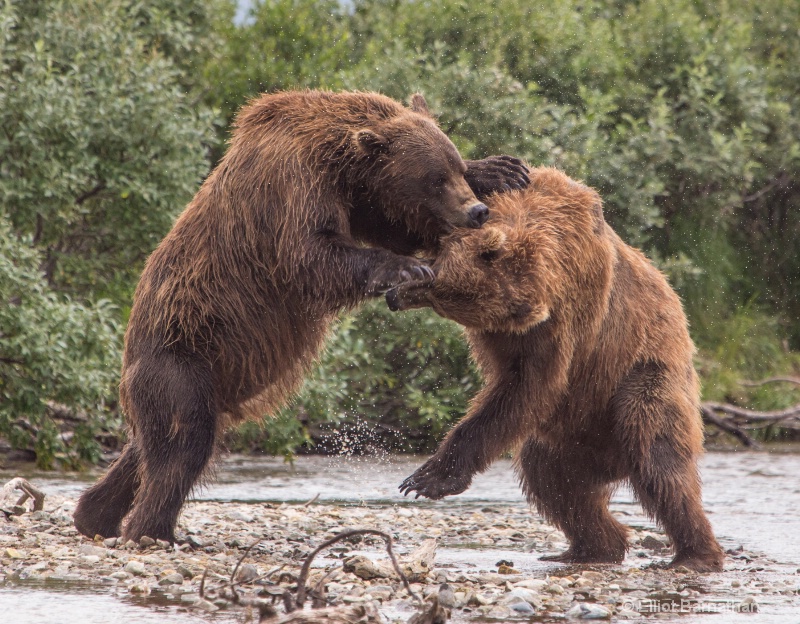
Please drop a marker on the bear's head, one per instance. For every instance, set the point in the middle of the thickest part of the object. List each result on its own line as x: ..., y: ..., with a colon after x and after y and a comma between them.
x: 541, y: 247
x: 489, y: 279
x: 414, y: 175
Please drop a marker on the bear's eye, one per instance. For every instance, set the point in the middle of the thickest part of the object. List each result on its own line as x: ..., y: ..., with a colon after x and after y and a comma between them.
x: 439, y: 181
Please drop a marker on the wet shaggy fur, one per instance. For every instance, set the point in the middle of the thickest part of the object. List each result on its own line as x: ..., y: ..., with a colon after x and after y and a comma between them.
x: 588, y: 366
x: 233, y: 306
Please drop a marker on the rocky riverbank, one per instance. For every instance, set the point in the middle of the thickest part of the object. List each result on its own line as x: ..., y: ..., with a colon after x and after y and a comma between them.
x: 41, y: 545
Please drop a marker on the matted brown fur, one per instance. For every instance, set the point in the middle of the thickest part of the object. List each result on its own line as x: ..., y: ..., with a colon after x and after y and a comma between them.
x: 234, y: 305
x: 588, y: 366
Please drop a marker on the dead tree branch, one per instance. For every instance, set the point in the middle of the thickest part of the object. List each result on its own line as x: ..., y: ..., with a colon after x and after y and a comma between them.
x: 293, y: 605
x: 28, y: 490
x: 756, y: 384
x: 736, y: 420
x: 301, y: 580
x: 710, y: 418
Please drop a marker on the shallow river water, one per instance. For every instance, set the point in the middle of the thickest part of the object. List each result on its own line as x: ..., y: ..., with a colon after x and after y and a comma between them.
x: 752, y: 498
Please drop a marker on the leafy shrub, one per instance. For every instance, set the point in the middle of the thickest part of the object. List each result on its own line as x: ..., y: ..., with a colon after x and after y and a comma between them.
x: 52, y: 351
x: 683, y: 115
x: 100, y: 148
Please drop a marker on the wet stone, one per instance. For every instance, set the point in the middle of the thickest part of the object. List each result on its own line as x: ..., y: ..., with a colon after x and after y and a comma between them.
x: 247, y: 573
x: 135, y: 567
x: 90, y: 549
x: 171, y: 579
x: 522, y: 608
x: 651, y: 543
x: 468, y: 583
x: 185, y: 572
x: 587, y: 611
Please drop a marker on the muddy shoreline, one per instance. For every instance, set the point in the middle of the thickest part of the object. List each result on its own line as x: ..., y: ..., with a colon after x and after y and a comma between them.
x: 42, y: 546
x: 486, y: 565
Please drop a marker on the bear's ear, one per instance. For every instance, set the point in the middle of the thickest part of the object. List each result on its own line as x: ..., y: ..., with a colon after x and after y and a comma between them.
x: 419, y: 105
x: 371, y: 142
x: 491, y: 242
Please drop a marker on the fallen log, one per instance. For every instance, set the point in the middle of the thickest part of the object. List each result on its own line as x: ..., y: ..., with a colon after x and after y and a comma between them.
x: 737, y: 421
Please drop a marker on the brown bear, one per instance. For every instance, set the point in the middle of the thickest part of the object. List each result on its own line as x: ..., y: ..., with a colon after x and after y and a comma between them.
x: 587, y: 362
x: 303, y: 217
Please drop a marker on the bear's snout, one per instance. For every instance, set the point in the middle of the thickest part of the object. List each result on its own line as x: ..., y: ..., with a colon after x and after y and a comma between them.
x: 478, y: 215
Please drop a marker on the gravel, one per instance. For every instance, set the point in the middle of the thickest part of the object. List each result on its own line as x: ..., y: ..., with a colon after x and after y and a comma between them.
x: 45, y: 545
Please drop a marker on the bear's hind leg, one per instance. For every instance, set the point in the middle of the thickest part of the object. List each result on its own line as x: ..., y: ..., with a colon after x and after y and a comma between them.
x: 176, y: 420
x: 570, y: 490
x: 102, y: 507
x: 668, y: 487
x: 657, y: 423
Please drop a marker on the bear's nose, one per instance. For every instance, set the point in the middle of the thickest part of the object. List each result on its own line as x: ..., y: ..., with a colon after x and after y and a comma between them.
x: 478, y: 214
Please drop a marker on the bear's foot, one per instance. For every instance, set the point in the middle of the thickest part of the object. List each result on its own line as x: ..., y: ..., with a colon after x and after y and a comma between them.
x: 705, y: 562
x: 136, y: 529
x: 102, y: 507
x: 496, y: 174
x: 395, y: 271
x: 90, y: 523
x: 579, y: 556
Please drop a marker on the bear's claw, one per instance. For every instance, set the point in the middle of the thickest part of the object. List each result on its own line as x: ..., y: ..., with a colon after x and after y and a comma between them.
x: 391, y: 275
x: 427, y: 482
x: 496, y: 174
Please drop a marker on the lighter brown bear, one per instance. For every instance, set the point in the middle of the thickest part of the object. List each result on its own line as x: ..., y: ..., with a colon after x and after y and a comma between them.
x: 304, y: 217
x: 588, y: 372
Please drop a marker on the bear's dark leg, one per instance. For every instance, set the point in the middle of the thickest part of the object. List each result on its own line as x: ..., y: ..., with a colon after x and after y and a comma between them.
x: 176, y: 421
x: 102, y: 507
x: 571, y: 489
x: 668, y: 486
x: 657, y: 423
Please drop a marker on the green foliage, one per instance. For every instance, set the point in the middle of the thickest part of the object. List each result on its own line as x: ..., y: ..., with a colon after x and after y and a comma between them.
x: 52, y: 350
x: 682, y: 114
x: 100, y: 148
x: 397, y: 380
x: 283, y: 44
x: 409, y: 375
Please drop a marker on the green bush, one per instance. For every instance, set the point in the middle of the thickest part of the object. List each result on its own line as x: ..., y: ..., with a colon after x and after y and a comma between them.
x: 683, y: 115
x: 52, y: 351
x: 100, y: 148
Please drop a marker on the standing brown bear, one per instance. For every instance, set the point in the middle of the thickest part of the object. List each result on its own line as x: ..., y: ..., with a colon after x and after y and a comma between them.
x: 588, y: 366
x: 233, y: 306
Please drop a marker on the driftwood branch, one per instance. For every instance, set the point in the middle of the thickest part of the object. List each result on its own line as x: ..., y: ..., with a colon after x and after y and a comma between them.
x: 784, y: 417
x: 737, y: 420
x: 301, y: 580
x: 710, y: 417
x: 320, y: 612
x: 28, y: 491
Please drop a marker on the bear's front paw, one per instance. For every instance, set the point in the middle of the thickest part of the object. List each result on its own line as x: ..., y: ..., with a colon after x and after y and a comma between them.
x: 390, y: 274
x: 429, y: 481
x: 495, y: 175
